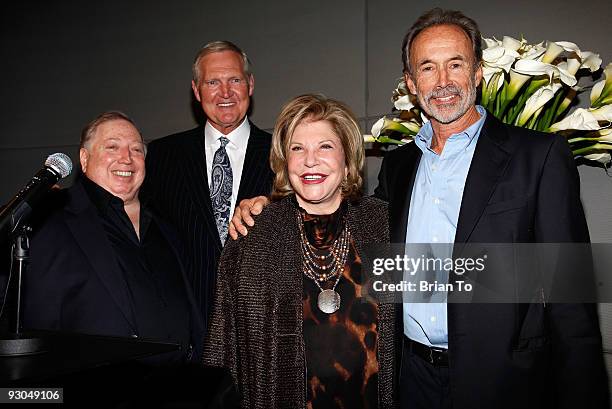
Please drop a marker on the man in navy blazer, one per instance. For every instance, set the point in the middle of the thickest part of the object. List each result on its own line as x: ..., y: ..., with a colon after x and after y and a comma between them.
x: 179, y: 167
x: 104, y: 264
x: 505, y: 185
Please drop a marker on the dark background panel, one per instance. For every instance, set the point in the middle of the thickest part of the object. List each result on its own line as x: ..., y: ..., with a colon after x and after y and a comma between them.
x: 63, y: 62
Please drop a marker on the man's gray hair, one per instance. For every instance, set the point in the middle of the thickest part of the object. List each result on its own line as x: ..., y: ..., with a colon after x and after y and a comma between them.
x: 91, y: 128
x: 437, y: 17
x: 217, y: 47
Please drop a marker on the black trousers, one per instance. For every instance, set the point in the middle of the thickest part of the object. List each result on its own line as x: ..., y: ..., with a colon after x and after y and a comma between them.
x: 423, y: 385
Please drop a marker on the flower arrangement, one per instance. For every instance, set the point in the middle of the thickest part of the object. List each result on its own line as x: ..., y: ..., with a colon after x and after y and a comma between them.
x: 533, y: 86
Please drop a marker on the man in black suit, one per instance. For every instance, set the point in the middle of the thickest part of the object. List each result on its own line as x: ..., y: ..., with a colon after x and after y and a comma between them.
x: 195, y: 178
x: 469, y: 178
x: 103, y: 264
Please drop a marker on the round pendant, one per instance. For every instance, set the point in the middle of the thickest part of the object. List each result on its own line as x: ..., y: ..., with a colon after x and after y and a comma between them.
x: 328, y: 301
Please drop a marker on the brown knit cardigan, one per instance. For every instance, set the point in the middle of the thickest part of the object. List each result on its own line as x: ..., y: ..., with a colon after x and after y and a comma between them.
x: 256, y: 324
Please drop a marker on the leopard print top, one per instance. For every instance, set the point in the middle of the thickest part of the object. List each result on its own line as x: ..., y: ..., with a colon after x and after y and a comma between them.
x: 341, y: 348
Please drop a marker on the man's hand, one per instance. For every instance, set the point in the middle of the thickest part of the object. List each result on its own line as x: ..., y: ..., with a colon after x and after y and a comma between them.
x: 242, y: 215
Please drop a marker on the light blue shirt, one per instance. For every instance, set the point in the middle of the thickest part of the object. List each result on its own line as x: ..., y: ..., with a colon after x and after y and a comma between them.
x: 434, y: 211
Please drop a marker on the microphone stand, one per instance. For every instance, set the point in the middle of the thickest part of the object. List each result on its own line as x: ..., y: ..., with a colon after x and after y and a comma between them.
x: 19, y: 343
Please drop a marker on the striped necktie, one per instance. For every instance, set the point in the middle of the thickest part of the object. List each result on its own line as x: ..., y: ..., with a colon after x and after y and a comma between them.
x: 221, y: 188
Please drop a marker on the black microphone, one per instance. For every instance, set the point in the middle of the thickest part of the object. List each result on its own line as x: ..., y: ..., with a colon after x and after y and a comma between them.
x: 16, y: 212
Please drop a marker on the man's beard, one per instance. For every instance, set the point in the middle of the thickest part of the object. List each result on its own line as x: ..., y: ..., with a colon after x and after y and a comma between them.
x: 447, y: 113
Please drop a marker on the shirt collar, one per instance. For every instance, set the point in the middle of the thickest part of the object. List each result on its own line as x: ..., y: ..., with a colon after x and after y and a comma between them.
x: 238, y: 138
x: 425, y: 134
x: 100, y: 197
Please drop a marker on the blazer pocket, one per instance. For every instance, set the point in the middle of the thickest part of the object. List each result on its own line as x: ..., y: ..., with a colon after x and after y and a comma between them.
x: 506, y: 205
x: 532, y: 344
x: 533, y: 353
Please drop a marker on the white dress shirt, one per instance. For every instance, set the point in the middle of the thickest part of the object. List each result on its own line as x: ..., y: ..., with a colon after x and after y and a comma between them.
x: 236, y: 150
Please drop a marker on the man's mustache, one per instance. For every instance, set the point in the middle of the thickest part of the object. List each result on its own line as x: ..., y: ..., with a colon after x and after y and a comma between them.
x: 447, y: 91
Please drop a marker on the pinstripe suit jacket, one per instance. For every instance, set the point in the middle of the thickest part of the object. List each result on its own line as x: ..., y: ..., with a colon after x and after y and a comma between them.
x: 176, y: 186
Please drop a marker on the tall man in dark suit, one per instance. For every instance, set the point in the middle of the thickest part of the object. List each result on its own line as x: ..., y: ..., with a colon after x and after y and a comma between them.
x: 195, y: 177
x: 469, y: 178
x: 102, y: 263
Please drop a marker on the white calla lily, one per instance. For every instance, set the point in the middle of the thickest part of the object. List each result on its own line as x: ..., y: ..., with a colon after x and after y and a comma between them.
x: 491, y: 42
x: 368, y: 139
x: 534, y: 67
x: 395, y: 124
x: 602, y: 135
x: 604, y: 158
x: 533, y: 51
x: 489, y: 72
x: 569, y: 47
x: 591, y: 61
x: 566, y: 77
x: 572, y: 65
x: 401, y: 88
x: 596, y: 90
x: 510, y: 43
x: 494, y: 60
x: 585, y: 59
x: 412, y: 126
x: 603, y: 113
x: 608, y: 73
x: 602, y: 90
x: 517, y: 80
x: 570, y: 95
x: 605, y: 135
x: 498, y: 56
x: 580, y: 119
x: 536, y: 101
x: 403, y: 103
x: 553, y: 49
x: 493, y: 53
x: 377, y: 127
x: 596, y: 148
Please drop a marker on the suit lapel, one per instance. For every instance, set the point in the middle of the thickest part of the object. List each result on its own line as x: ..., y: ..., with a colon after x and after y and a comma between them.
x: 399, y: 207
x: 84, y: 224
x: 195, y: 171
x: 256, y: 164
x: 196, y: 175
x: 489, y: 163
x: 402, y: 185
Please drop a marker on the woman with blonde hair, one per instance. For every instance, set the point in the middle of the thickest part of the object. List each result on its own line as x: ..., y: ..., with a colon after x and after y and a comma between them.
x: 289, y: 321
